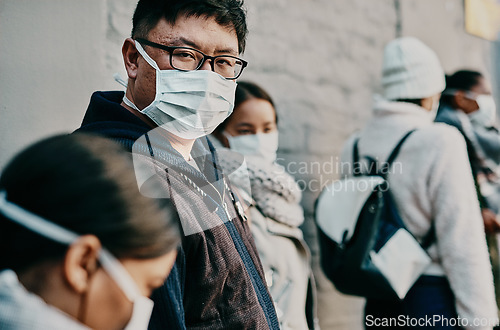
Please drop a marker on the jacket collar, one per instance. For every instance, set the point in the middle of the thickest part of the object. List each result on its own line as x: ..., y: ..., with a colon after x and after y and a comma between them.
x: 403, y: 111
x: 106, y: 106
x: 105, y: 115
x: 20, y: 307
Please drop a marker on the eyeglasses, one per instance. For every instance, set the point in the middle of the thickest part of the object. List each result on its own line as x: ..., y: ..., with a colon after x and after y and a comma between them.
x: 189, y: 59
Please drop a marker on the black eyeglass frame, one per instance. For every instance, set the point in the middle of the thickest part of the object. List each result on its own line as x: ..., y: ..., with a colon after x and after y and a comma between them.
x: 170, y: 50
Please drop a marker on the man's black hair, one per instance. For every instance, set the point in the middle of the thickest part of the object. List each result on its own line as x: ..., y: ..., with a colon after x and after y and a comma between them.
x: 228, y: 13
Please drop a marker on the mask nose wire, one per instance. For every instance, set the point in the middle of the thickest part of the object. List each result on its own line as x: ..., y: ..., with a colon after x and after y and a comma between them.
x: 205, y: 59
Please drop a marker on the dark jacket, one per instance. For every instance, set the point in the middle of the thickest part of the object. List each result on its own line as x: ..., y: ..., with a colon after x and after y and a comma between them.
x: 447, y: 115
x: 217, y: 281
x: 452, y: 117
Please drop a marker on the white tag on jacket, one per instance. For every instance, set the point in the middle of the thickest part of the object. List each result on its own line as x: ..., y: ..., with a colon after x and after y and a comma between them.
x: 402, y: 261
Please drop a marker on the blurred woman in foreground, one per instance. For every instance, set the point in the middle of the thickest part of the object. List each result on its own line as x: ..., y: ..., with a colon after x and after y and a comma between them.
x: 76, y: 252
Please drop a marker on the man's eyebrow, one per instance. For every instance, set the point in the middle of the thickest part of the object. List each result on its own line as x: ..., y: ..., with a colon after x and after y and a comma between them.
x: 227, y: 51
x: 181, y: 41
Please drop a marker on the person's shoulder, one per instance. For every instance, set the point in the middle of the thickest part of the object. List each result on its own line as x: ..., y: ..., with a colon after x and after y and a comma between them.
x: 440, y: 131
x: 109, y: 96
x: 448, y: 116
x: 440, y: 135
x: 347, y: 147
x: 349, y: 142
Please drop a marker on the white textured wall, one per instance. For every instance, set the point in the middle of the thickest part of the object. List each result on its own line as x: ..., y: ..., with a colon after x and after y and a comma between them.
x: 319, y: 59
x: 49, y: 64
x: 324, y: 99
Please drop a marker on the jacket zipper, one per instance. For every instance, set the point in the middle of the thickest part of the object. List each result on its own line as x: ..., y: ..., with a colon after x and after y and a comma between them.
x: 203, y: 194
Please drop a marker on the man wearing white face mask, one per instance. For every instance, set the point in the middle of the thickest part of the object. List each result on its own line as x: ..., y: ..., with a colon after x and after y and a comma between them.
x: 182, y: 61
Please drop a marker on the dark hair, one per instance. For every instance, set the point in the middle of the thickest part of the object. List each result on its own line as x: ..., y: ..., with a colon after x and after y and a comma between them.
x: 246, y: 90
x: 85, y: 184
x: 461, y: 80
x: 228, y: 13
x: 413, y: 101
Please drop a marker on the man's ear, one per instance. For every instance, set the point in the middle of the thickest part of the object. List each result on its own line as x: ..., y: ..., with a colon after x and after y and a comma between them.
x: 80, y: 262
x: 130, y: 57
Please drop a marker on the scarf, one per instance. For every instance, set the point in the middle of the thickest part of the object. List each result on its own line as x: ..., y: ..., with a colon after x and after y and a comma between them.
x: 273, y: 191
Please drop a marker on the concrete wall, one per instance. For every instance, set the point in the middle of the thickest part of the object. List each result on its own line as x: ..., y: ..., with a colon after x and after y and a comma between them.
x: 50, y: 63
x: 319, y: 59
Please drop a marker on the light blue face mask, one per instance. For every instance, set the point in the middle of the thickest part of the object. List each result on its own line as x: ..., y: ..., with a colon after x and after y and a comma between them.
x: 486, y: 114
x: 143, y: 306
x: 264, y: 145
x: 188, y: 104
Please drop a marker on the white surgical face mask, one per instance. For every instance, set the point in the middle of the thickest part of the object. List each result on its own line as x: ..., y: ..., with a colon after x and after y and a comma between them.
x: 264, y: 145
x: 188, y: 104
x: 143, y: 306
x: 486, y: 114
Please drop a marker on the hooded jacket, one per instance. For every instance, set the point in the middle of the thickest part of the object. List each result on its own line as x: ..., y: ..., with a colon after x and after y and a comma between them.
x: 217, y: 281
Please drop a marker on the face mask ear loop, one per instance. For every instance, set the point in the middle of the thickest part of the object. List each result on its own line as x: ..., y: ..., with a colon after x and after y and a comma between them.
x: 61, y: 235
x: 119, y: 274
x: 35, y: 223
x: 129, y: 103
x: 118, y: 78
x: 228, y: 137
x: 45, y: 228
x: 146, y: 56
x: 82, y: 309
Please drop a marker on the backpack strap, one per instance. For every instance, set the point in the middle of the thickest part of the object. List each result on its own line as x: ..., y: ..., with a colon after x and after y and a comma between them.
x: 385, y: 167
x: 356, y: 166
x: 430, y: 238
